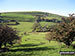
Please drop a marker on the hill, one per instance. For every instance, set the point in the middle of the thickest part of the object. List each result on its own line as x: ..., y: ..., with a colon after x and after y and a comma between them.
x: 28, y: 16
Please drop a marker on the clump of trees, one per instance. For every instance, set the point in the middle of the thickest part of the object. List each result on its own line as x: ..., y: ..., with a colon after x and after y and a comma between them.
x: 7, y: 35
x: 36, y: 27
x: 64, y: 31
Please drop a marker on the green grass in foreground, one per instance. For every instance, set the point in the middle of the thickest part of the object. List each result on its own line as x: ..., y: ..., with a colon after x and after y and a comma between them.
x: 35, y: 44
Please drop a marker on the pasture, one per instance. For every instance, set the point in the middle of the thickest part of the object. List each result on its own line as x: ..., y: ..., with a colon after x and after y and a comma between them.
x: 28, y: 16
x: 35, y: 44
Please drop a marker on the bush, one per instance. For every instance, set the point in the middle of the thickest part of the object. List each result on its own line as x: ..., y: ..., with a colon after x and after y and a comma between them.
x: 36, y: 27
x: 7, y: 35
x: 64, y: 31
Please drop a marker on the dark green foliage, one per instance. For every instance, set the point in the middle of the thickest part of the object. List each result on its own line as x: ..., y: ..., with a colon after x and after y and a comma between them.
x: 64, y: 31
x: 7, y: 35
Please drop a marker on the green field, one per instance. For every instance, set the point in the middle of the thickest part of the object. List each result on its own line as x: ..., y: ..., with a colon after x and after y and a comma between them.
x: 28, y: 16
x: 35, y: 44
x: 18, y: 17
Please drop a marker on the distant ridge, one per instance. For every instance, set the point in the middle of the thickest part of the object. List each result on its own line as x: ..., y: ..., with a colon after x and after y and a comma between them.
x: 28, y: 16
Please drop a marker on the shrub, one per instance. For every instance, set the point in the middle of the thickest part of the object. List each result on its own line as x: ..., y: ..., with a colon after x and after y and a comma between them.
x: 64, y: 31
x: 7, y: 35
x: 36, y: 27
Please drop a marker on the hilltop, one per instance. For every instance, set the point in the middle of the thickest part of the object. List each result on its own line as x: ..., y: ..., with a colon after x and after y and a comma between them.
x: 28, y: 16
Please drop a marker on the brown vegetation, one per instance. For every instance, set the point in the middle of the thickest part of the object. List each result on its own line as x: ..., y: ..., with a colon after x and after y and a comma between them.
x: 64, y: 31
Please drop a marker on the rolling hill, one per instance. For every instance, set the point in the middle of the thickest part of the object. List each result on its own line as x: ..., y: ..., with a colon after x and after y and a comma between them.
x: 28, y: 16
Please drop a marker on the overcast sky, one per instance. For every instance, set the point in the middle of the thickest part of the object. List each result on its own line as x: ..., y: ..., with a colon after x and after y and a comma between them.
x: 62, y: 7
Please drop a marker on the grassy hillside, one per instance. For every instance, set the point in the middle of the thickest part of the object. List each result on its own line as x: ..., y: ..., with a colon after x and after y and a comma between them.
x: 28, y: 16
x: 35, y: 44
x: 18, y: 17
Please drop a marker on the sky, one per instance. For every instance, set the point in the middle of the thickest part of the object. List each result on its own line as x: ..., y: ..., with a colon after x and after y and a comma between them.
x: 61, y: 7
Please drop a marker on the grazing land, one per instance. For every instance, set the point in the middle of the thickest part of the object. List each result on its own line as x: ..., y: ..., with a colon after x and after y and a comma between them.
x: 28, y: 16
x: 33, y: 43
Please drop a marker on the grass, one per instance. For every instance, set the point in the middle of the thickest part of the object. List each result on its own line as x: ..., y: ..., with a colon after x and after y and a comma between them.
x: 35, y: 44
x: 28, y: 16
x: 23, y: 27
x: 48, y: 23
x: 18, y: 17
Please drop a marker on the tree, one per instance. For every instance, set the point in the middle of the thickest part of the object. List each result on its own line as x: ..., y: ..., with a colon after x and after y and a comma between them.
x: 7, y: 35
x: 64, y: 31
x: 36, y: 27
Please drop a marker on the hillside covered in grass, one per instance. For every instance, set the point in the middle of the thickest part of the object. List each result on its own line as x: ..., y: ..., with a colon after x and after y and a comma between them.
x: 28, y: 16
x: 35, y: 43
